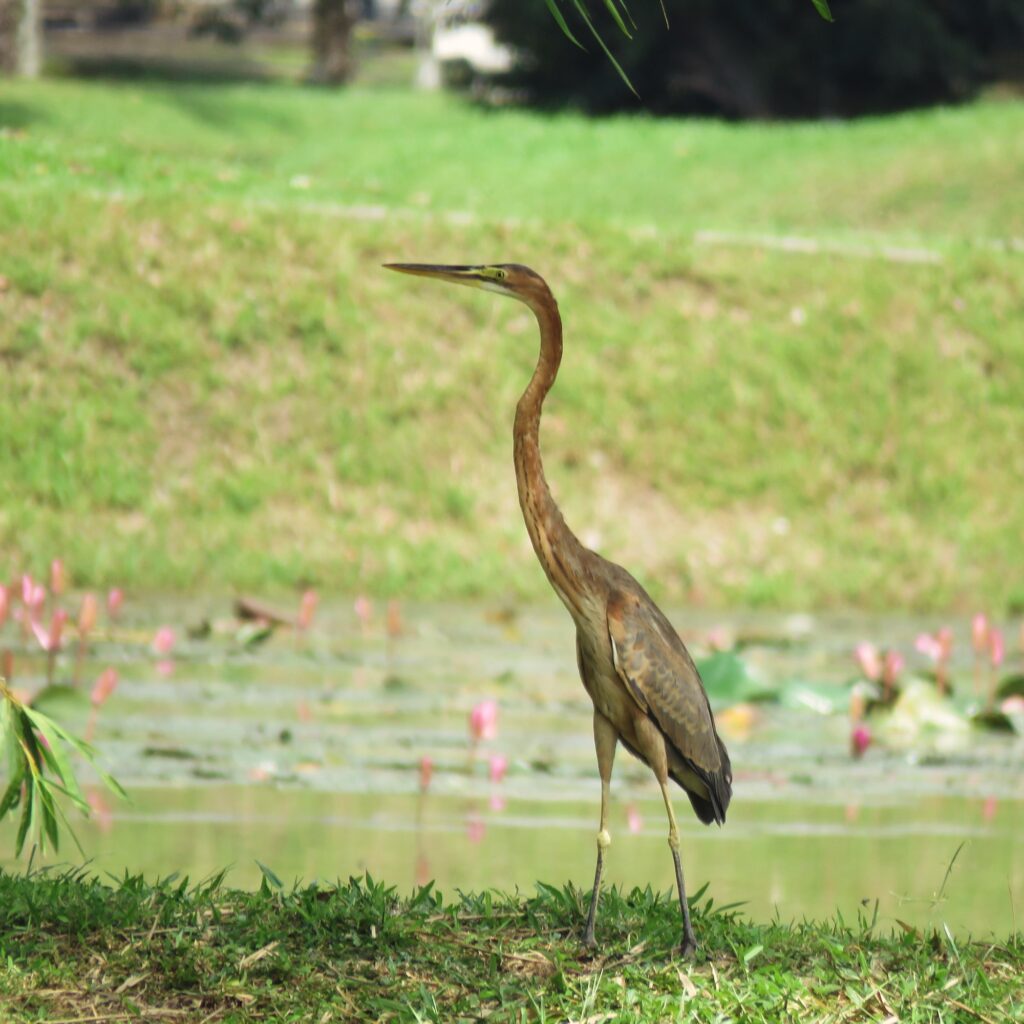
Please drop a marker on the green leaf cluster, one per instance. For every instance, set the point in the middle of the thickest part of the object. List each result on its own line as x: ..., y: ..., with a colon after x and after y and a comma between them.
x: 39, y: 771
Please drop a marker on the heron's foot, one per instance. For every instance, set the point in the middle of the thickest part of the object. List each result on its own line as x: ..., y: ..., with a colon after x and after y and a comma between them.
x: 589, y: 942
x: 688, y: 950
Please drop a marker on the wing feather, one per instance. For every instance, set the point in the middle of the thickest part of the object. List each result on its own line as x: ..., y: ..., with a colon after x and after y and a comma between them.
x: 661, y: 677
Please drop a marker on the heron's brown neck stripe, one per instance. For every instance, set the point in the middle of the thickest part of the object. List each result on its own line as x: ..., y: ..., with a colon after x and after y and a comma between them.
x: 555, y: 544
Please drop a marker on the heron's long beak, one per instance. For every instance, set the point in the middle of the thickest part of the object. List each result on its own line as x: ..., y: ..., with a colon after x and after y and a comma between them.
x: 473, y: 276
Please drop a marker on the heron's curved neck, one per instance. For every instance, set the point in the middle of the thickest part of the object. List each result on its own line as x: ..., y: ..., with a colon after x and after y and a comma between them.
x: 560, y: 553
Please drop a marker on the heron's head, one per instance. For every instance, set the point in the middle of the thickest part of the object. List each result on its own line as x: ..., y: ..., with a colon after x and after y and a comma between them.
x: 510, y: 279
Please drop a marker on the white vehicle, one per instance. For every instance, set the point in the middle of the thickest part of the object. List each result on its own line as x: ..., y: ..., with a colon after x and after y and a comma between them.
x: 462, y: 47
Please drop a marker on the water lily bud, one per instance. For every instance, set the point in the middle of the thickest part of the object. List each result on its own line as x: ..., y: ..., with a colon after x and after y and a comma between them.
x: 307, y: 608
x: 104, y: 687
x: 997, y: 648
x: 57, y: 578
x: 163, y: 641
x: 426, y: 772
x: 868, y: 660
x: 979, y: 632
x: 497, y: 767
x: 483, y: 720
x: 860, y: 740
x: 87, y: 615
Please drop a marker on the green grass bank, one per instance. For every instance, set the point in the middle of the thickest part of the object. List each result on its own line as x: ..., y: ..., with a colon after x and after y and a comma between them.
x: 793, y: 370
x: 73, y: 949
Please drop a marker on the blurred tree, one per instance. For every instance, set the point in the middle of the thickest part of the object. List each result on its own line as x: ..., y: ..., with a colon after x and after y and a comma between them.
x: 229, y: 22
x: 333, y: 21
x: 763, y: 58
x: 20, y: 37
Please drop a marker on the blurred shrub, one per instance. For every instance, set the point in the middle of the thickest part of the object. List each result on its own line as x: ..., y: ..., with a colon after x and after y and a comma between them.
x: 765, y: 58
x: 229, y: 22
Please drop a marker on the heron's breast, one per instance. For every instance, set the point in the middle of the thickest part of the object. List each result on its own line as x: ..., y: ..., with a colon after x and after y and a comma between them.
x: 600, y: 679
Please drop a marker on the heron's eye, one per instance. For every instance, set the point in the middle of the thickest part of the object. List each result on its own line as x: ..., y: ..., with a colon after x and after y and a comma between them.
x: 500, y: 275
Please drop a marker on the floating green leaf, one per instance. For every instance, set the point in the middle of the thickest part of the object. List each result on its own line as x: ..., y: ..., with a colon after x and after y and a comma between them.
x: 728, y: 680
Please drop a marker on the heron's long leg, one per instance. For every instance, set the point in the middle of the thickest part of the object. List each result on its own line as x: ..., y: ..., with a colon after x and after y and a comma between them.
x: 605, y: 739
x: 689, y: 940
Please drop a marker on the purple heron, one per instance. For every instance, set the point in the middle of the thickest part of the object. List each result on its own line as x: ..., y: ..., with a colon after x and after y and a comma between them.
x: 646, y: 690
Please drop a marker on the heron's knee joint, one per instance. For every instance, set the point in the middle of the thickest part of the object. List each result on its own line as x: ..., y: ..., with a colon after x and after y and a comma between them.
x: 604, y: 840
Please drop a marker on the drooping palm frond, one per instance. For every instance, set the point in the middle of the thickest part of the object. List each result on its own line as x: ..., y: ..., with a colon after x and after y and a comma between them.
x: 621, y: 17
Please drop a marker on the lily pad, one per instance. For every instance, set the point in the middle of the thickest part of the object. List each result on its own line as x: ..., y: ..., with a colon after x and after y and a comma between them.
x: 728, y: 679
x: 61, y: 701
x: 996, y: 721
x: 818, y: 697
x: 1011, y: 686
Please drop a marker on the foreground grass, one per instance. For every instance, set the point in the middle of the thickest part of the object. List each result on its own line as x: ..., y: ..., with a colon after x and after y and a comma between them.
x: 215, y: 385
x: 75, y: 949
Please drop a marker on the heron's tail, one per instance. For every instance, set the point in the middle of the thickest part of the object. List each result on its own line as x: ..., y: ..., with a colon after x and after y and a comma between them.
x: 712, y: 807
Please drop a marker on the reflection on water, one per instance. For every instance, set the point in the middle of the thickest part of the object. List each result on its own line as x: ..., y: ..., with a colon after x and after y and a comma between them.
x: 310, y: 760
x: 784, y: 860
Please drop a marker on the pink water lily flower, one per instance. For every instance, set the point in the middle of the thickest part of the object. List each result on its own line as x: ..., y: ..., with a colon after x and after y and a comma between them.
x: 892, y: 667
x: 394, y: 619
x: 476, y: 828
x: 426, y: 772
x: 87, y: 614
x: 634, y: 822
x: 307, y: 609
x: 364, y: 610
x: 997, y: 647
x: 49, y: 639
x: 945, y: 638
x: 989, y: 807
x: 483, y: 721
x: 35, y: 602
x: 979, y: 632
x: 57, y: 576
x: 860, y: 740
x: 104, y: 687
x: 868, y: 661
x: 929, y: 646
x: 719, y: 639
x: 163, y: 641
x: 114, y: 601
x: 497, y: 766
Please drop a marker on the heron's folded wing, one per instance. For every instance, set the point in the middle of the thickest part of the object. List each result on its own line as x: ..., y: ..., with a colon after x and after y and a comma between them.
x: 661, y: 677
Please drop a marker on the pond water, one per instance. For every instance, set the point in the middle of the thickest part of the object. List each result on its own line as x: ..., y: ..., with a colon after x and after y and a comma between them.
x: 304, y: 755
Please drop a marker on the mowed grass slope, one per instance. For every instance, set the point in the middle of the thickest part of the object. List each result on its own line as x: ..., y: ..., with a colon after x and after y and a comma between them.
x: 207, y: 381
